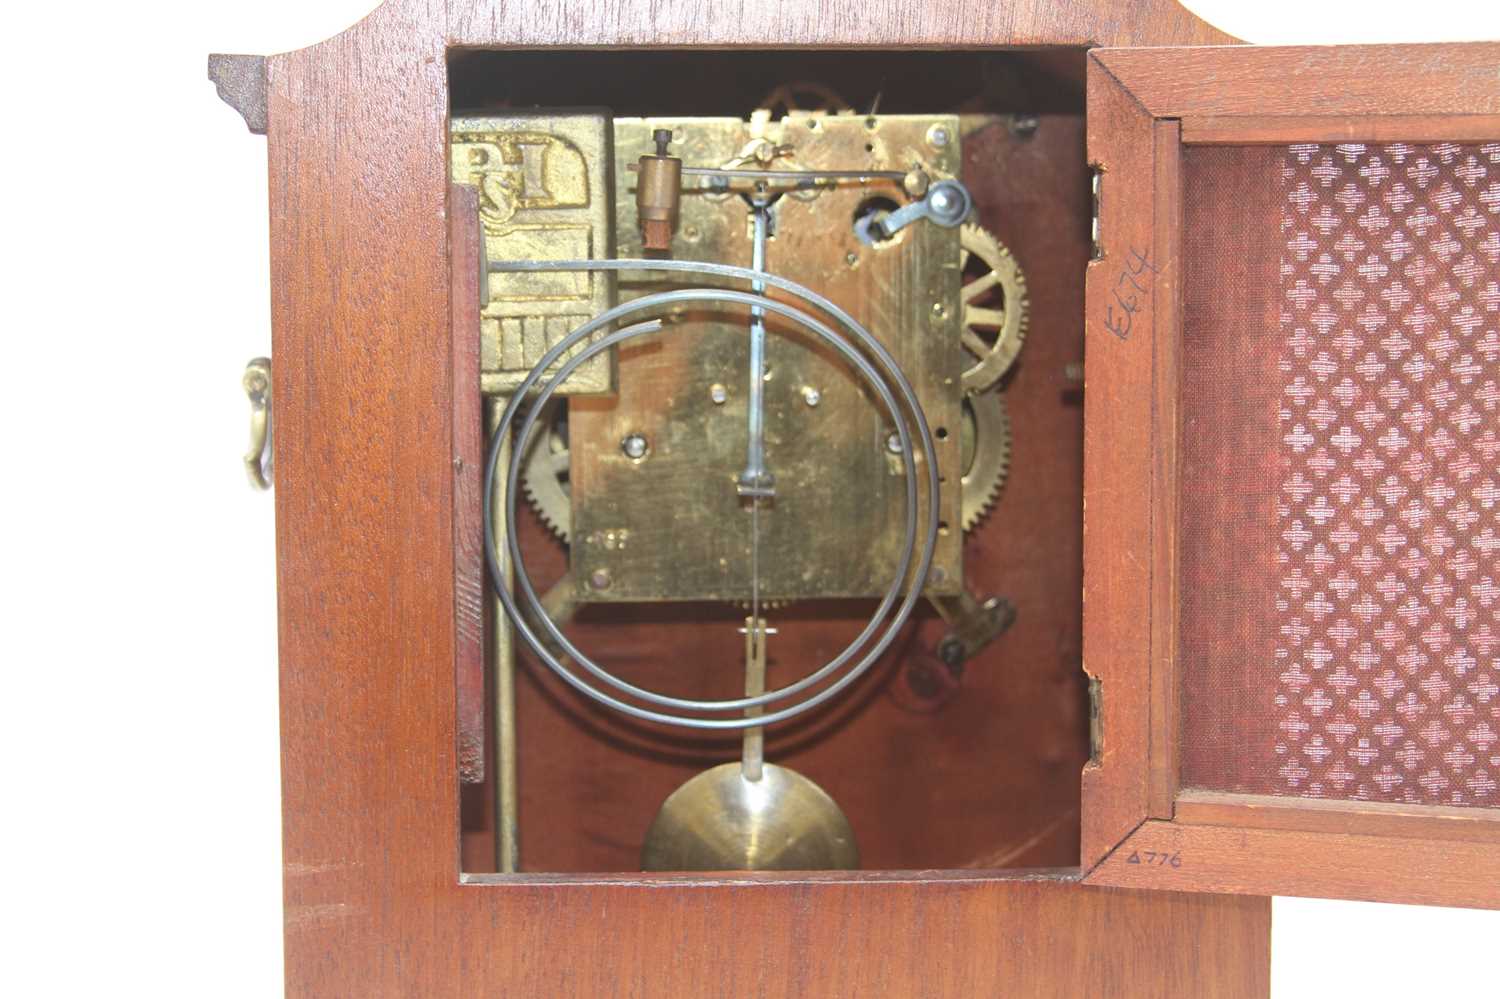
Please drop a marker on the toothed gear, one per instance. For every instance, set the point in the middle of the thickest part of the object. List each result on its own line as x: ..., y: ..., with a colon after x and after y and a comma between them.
x: 544, y: 475
x: 994, y: 301
x: 802, y: 95
x: 985, y: 452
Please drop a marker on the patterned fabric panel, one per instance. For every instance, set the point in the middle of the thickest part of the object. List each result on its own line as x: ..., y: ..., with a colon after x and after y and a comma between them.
x: 1373, y: 672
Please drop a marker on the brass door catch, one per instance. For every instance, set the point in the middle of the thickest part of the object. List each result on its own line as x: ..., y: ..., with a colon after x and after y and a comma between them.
x: 1096, y: 721
x: 257, y: 385
x: 1096, y: 194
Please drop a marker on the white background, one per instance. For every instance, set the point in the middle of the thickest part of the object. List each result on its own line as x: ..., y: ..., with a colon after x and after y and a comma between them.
x: 138, y: 718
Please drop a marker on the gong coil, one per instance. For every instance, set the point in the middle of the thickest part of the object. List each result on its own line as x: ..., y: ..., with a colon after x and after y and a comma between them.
x: 918, y: 547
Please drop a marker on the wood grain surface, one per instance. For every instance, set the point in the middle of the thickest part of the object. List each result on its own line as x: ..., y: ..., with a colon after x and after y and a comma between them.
x: 812, y: 23
x: 1238, y: 858
x: 469, y: 585
x: 1241, y: 130
x: 882, y: 937
x: 1321, y: 815
x: 1322, y: 81
x: 1118, y: 465
x: 364, y: 506
x: 369, y: 641
x: 1166, y: 296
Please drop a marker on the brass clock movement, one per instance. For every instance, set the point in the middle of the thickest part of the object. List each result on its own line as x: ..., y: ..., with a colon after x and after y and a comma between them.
x: 678, y: 392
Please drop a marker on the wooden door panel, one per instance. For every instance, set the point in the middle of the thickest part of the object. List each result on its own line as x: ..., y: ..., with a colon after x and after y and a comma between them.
x: 1295, y: 305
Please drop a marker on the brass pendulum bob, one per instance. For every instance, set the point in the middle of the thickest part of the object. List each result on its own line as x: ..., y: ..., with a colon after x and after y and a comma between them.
x: 750, y: 815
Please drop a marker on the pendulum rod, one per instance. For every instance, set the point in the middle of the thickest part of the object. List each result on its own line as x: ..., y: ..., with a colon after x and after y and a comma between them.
x: 756, y: 480
x: 753, y: 752
x: 503, y: 664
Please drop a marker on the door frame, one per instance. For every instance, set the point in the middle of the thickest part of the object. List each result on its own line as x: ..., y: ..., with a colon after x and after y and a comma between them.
x: 1141, y: 827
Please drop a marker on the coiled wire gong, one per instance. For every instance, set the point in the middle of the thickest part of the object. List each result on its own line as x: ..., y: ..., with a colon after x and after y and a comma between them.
x: 747, y: 815
x: 906, y: 418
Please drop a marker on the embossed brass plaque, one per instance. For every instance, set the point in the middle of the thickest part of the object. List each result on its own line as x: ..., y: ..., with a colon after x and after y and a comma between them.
x: 668, y: 524
x: 545, y: 193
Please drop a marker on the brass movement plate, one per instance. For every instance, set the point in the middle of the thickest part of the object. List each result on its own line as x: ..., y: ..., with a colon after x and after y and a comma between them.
x: 545, y: 193
x: 670, y: 526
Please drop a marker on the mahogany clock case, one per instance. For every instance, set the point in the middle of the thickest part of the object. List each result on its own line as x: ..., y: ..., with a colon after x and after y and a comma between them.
x: 367, y: 501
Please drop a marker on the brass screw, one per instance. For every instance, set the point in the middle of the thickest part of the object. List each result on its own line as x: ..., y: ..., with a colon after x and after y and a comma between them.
x: 599, y: 579
x: 635, y: 446
x: 1024, y: 126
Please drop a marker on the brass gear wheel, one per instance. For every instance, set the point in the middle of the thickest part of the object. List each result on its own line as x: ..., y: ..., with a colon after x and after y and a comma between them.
x: 802, y: 95
x: 984, y: 449
x: 994, y: 301
x: 544, y: 474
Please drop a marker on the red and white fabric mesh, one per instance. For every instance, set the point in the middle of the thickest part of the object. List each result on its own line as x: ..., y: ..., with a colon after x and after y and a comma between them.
x: 1380, y: 511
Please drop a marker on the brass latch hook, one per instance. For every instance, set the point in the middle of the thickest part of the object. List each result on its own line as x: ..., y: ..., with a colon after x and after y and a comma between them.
x: 258, y: 460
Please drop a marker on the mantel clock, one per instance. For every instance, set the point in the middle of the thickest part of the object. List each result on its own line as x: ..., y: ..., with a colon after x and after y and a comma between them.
x: 829, y: 498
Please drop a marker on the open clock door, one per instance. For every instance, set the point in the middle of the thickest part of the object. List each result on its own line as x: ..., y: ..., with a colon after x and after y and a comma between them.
x: 1292, y: 485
